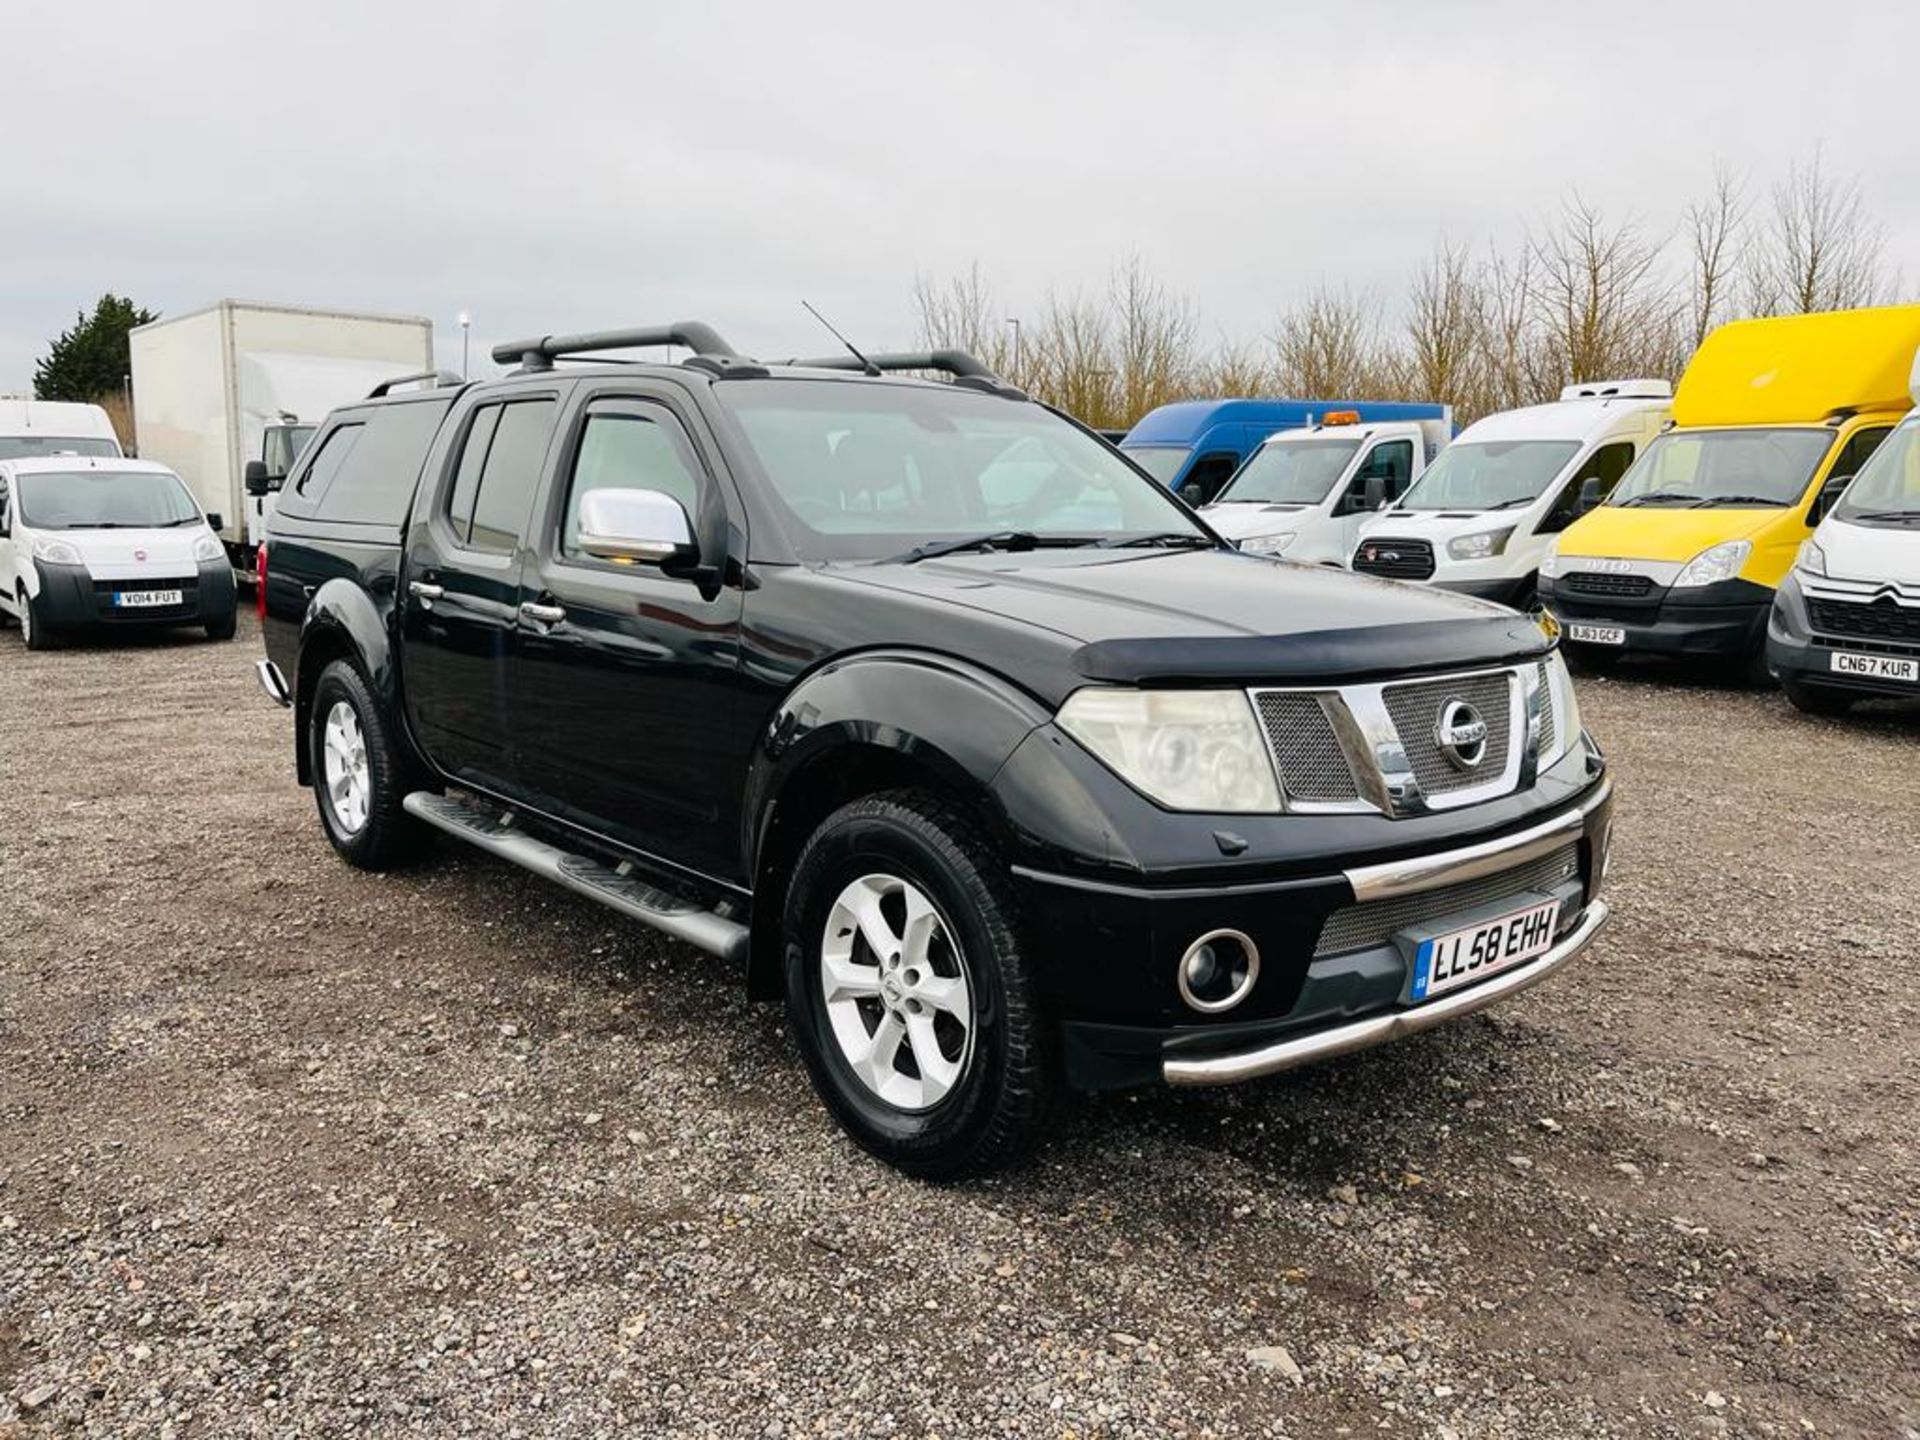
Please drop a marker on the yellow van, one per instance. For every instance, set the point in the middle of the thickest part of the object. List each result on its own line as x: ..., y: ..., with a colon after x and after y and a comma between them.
x: 1768, y: 421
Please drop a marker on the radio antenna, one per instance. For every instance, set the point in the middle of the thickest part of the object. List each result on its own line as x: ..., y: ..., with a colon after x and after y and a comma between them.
x: 865, y: 364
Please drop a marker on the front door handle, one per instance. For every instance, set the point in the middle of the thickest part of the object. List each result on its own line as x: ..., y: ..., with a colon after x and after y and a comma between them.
x: 543, y: 614
x: 424, y: 590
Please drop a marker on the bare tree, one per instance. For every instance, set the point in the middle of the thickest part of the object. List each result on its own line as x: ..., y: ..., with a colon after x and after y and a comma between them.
x: 1715, y: 230
x: 1603, y: 306
x: 1071, y: 361
x: 962, y: 313
x: 1818, y: 249
x: 1234, y: 370
x: 1514, y: 364
x: 1154, y: 337
x: 1446, y: 351
x: 1328, y: 347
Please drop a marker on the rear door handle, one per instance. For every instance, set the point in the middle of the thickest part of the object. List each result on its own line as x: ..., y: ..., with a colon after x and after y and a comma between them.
x: 543, y: 614
x: 424, y: 590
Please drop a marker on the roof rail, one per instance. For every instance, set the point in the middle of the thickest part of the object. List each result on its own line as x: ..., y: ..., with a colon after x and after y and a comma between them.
x: 438, y: 377
x: 539, y: 354
x: 957, y: 363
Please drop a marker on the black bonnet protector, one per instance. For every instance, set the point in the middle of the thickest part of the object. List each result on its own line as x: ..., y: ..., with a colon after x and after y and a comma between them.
x: 1363, y: 653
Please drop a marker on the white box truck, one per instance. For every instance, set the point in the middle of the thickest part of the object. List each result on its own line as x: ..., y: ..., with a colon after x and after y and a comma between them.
x: 237, y: 382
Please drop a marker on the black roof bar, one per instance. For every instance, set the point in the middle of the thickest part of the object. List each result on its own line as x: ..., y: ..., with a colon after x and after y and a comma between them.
x: 957, y: 363
x: 539, y: 354
x: 438, y: 377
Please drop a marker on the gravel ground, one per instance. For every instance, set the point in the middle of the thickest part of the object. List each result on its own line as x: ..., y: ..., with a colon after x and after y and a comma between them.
x: 286, y: 1149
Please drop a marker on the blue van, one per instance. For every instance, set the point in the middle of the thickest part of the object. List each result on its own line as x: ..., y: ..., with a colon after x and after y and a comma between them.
x: 1200, y: 443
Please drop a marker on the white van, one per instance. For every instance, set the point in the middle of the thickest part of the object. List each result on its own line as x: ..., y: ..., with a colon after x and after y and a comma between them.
x: 1481, y: 517
x: 54, y: 427
x: 1845, y: 623
x: 1305, y: 493
x: 106, y: 544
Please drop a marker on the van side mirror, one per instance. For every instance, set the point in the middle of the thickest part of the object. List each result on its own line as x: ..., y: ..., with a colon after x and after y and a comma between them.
x: 257, y: 481
x: 1373, y: 493
x: 1589, y: 495
x: 1829, y: 496
x: 1193, y: 493
x: 216, y: 521
x: 636, y: 527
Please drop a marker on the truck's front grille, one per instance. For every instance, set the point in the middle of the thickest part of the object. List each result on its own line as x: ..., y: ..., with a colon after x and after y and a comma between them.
x: 1306, y: 749
x: 1395, y: 559
x: 1880, y: 620
x: 1416, y: 710
x: 1374, y: 922
x: 1590, y: 582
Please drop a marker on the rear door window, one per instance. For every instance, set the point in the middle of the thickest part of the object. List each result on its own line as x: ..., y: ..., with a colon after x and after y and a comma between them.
x: 509, y: 475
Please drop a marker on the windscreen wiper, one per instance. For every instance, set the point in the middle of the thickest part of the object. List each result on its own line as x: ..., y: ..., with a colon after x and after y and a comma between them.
x: 1516, y: 500
x: 997, y: 540
x: 1773, y: 500
x: 1899, y: 517
x: 1159, y: 540
x: 1653, y: 497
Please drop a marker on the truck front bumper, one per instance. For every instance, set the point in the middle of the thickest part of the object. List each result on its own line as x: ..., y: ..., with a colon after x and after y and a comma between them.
x: 1117, y: 948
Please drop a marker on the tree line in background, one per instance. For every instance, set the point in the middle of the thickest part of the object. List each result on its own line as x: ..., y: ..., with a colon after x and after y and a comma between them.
x: 1583, y: 296
x: 93, y: 361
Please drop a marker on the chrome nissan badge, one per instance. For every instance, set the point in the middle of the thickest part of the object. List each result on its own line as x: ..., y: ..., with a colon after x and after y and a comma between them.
x: 1461, y: 734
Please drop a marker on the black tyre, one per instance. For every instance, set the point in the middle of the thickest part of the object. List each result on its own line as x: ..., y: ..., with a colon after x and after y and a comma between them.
x: 1590, y: 659
x: 223, y: 628
x: 34, y: 630
x: 1817, y: 699
x: 360, y: 774
x: 910, y: 990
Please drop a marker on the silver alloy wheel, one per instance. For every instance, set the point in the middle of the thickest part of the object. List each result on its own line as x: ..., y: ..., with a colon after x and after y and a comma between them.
x: 349, y: 785
x: 897, y: 992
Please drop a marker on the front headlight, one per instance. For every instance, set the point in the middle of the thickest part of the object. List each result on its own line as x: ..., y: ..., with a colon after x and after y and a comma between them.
x: 55, y: 552
x: 1550, y: 560
x: 207, y: 548
x: 1187, y: 749
x: 1566, y: 709
x: 1712, y: 565
x: 1268, y: 544
x: 1812, y: 558
x: 1480, y: 546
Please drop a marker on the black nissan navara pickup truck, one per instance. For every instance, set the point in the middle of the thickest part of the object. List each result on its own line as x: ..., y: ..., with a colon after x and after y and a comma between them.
x: 917, y: 701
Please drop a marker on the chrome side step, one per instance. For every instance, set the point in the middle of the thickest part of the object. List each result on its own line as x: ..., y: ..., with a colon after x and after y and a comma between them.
x: 493, y: 831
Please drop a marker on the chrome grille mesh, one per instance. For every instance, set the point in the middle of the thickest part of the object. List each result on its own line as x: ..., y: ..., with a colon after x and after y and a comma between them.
x: 1545, y: 691
x: 1360, y: 927
x: 1415, y: 708
x: 1305, y: 748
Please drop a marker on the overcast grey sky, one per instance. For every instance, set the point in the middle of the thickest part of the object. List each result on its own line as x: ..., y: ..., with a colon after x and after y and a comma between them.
x: 571, y: 166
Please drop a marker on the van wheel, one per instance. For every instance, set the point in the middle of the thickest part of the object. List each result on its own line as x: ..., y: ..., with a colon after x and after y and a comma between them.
x: 1817, y: 699
x: 359, y: 773
x: 33, y: 630
x: 223, y: 628
x: 910, y: 989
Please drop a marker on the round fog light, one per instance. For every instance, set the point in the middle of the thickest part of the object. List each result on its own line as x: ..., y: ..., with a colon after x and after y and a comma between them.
x: 1218, y: 971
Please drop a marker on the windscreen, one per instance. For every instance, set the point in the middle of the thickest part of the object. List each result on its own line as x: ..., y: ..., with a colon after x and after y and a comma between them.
x: 1749, y: 466
x: 1489, y: 475
x: 37, y: 447
x: 104, y: 500
x: 867, y: 470
x: 1289, y: 472
x: 1887, y: 489
x: 1163, y: 462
